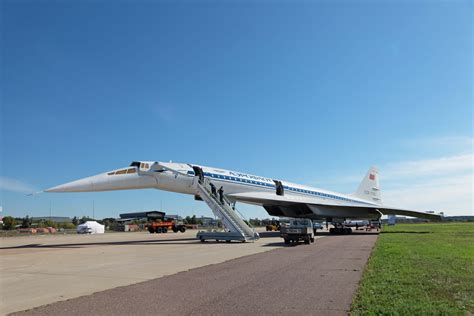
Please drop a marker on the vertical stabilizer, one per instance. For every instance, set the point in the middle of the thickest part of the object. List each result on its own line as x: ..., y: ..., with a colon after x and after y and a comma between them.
x: 369, y: 188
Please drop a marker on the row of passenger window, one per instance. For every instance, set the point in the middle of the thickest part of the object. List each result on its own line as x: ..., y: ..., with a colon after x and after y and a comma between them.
x: 123, y: 171
x: 239, y: 180
x: 271, y: 185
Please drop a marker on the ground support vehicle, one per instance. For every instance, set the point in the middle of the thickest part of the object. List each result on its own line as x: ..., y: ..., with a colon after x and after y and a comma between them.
x: 273, y: 226
x: 165, y: 226
x: 300, y: 229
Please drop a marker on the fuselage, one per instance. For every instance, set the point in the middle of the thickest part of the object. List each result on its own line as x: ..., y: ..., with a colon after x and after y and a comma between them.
x: 180, y: 177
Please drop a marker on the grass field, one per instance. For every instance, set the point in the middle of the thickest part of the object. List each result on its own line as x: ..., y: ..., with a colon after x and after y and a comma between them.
x: 419, y: 269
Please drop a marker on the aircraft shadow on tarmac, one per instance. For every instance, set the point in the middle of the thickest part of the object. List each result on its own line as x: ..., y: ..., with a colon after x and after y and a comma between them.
x: 319, y: 233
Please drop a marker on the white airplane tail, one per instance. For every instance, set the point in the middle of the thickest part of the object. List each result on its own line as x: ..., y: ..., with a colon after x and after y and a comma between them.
x: 369, y: 188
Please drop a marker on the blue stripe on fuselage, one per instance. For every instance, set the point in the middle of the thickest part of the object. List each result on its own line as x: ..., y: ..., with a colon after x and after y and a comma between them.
x: 259, y: 184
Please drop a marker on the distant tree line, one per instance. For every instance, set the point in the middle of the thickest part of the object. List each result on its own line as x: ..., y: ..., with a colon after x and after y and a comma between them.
x: 192, y: 220
x: 10, y: 222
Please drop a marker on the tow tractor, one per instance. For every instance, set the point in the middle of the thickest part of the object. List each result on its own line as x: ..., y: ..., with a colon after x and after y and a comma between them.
x: 273, y: 226
x: 300, y: 229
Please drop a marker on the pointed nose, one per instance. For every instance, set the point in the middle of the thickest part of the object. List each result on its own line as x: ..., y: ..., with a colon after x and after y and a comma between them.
x: 82, y: 185
x: 114, y: 180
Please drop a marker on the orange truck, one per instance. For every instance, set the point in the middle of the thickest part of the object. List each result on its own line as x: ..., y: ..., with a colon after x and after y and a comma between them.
x: 165, y: 226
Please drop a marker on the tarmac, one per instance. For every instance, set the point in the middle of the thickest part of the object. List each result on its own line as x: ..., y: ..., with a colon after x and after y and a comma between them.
x: 135, y: 273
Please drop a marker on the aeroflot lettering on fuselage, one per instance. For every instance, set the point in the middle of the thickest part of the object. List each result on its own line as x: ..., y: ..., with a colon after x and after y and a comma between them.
x: 248, y: 176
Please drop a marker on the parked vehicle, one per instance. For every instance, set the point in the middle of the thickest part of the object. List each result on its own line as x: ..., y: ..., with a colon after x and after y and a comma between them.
x: 273, y: 226
x: 300, y: 229
x: 165, y: 226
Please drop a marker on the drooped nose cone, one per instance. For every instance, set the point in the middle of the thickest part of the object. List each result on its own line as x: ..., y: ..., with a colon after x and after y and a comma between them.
x: 106, y: 182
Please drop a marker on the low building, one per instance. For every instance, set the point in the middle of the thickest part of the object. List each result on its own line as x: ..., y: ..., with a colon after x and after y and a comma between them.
x: 141, y: 216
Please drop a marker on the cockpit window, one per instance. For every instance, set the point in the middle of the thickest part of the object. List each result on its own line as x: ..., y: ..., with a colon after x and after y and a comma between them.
x: 123, y: 171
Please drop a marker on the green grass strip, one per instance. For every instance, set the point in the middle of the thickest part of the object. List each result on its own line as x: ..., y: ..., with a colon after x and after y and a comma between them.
x: 419, y: 269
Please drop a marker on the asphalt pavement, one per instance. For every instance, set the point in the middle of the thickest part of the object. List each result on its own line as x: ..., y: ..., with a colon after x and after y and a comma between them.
x: 320, y: 278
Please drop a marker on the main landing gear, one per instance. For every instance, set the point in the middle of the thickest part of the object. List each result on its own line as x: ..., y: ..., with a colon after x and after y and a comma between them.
x: 340, y: 229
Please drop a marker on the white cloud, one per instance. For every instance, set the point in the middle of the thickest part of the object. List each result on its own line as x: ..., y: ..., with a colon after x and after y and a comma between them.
x: 439, y: 183
x: 446, y: 143
x: 450, y: 194
x: 14, y: 185
x: 429, y: 167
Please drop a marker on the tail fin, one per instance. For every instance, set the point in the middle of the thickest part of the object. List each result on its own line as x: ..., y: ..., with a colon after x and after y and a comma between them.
x: 369, y: 188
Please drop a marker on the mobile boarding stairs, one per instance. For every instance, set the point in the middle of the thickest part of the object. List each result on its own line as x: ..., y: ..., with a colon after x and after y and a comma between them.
x: 233, y: 221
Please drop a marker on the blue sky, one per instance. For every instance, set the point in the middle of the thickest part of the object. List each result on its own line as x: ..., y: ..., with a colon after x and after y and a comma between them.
x: 313, y: 92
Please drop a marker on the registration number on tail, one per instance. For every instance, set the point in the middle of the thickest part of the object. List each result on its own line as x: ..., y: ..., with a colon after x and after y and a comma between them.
x: 293, y: 231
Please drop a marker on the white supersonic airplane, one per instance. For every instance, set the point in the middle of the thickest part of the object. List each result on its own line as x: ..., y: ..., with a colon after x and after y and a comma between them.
x: 278, y: 197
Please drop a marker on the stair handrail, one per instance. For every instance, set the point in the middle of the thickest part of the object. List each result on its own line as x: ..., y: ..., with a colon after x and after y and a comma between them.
x: 205, y: 184
x: 214, y: 198
x: 246, y: 221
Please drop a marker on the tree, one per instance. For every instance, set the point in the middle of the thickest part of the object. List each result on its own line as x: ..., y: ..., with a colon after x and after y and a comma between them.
x: 193, y: 220
x: 49, y: 223
x: 75, y: 221
x: 66, y: 225
x: 26, y: 222
x: 9, y: 223
x: 187, y: 220
x: 109, y: 221
x: 85, y: 219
